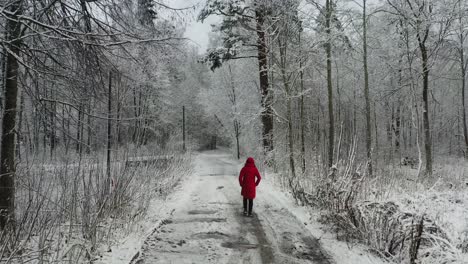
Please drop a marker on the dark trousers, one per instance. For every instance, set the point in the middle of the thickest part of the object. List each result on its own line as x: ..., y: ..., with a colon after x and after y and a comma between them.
x: 250, y: 204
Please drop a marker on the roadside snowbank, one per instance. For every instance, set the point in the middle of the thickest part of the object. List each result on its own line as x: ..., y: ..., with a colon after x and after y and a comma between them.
x: 341, y: 252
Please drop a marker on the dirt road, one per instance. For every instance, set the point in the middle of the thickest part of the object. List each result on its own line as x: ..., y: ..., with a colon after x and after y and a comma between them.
x: 208, y: 226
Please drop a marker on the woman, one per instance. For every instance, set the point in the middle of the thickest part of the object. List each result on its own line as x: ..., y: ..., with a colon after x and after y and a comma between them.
x: 249, y: 178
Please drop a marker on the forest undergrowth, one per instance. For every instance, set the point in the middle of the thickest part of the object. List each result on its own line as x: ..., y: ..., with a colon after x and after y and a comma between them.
x: 66, y: 213
x: 400, y: 217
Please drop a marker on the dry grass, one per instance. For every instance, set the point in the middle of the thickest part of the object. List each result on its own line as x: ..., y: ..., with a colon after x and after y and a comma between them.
x: 401, y: 217
x: 65, y: 212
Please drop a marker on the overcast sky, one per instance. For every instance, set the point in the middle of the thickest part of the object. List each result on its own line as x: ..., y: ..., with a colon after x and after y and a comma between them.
x: 196, y: 31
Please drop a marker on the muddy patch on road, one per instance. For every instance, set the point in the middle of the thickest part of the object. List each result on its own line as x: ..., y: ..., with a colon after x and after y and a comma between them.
x: 200, y: 220
x: 303, y: 247
x: 201, y: 212
x: 239, y: 245
x: 211, y: 235
x: 227, y: 203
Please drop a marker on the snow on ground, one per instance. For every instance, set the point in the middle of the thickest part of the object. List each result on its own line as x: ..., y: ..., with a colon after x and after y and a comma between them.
x: 129, y: 244
x: 340, y: 251
x: 442, y: 198
x: 201, y: 222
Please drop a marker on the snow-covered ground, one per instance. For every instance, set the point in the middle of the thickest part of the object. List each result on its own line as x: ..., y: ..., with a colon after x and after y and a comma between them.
x: 201, y: 222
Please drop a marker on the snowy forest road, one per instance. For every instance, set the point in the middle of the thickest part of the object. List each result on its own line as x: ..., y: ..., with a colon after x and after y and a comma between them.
x: 208, y: 225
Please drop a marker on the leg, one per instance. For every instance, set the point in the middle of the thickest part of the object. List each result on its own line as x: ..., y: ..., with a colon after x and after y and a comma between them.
x: 250, y: 206
x: 245, y: 205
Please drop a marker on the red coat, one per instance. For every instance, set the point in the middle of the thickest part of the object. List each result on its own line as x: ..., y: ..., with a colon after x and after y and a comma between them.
x: 249, y: 178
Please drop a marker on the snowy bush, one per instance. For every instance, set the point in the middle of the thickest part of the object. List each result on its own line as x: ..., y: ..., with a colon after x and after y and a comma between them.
x: 65, y: 213
x: 420, y: 222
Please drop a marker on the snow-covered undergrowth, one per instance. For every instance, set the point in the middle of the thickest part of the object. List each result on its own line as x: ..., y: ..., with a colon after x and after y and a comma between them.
x: 402, y: 218
x: 69, y: 210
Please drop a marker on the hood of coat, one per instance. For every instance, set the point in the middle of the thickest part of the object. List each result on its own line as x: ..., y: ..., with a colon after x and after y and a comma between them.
x: 250, y: 162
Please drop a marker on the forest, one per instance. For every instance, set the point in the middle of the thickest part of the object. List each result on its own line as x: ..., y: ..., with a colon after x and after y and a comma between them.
x: 356, y: 108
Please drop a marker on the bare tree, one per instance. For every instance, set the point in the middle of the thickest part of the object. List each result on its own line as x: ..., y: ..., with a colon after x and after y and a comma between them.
x: 328, y: 48
x: 7, y: 144
x: 366, y: 88
x: 462, y: 34
x: 421, y: 18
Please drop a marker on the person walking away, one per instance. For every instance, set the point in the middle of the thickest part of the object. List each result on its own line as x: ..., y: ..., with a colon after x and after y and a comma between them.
x: 249, y: 178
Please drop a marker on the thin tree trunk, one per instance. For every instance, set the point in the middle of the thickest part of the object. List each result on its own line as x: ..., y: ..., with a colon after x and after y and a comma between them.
x: 291, y: 139
x: 302, y: 114
x: 354, y: 114
x: 119, y: 108
x: 19, y: 137
x: 3, y: 63
x: 376, y: 127
x: 331, y: 128
x: 89, y: 132
x: 135, y: 111
x: 82, y: 142
x: 463, y: 92
x: 68, y: 130
x: 36, y: 118
x: 140, y: 119
x: 184, y: 148
x: 44, y: 117
x: 366, y: 91
x: 29, y: 133
x: 318, y: 133
x: 338, y: 96
x: 64, y: 132
x: 397, y: 128
x: 109, y: 136
x: 53, y: 129
x: 78, y: 127
x: 237, y: 133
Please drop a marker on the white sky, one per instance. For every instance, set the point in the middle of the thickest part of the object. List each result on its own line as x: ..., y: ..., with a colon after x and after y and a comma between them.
x: 197, y: 32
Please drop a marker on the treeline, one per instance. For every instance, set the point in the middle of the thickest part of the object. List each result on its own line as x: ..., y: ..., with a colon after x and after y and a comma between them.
x: 83, y: 77
x: 389, y: 77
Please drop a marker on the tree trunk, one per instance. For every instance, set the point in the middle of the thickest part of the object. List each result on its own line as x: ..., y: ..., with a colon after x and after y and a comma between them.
x: 109, y: 137
x: 68, y: 137
x: 53, y: 129
x: 376, y: 127
x: 267, y: 112
x: 135, y: 112
x: 64, y: 131
x: 237, y: 133
x: 291, y: 140
x: 366, y: 92
x: 78, y: 128
x: 89, y: 132
x: 7, y: 154
x: 331, y: 128
x: 463, y: 92
x: 302, y: 115
x: 119, y: 109
x: 318, y: 152
x: 19, y: 136
x: 184, y: 148
x: 426, y: 122
x: 397, y: 127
